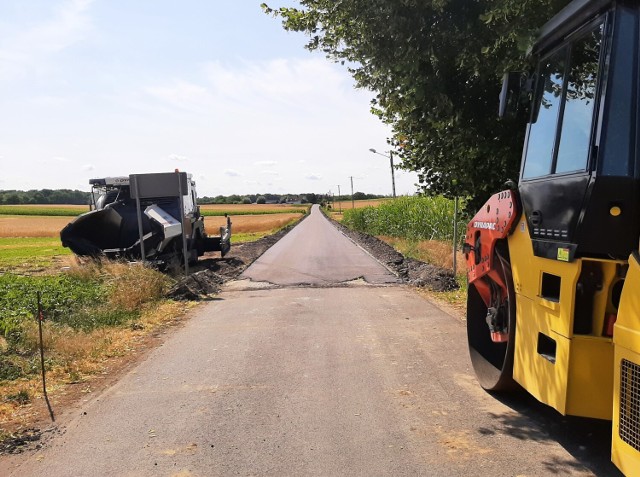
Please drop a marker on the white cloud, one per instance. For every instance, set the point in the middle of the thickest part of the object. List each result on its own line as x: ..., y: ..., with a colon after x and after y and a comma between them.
x: 88, y: 167
x: 177, y: 158
x: 266, y: 163
x: 183, y: 95
x: 314, y: 177
x: 282, y: 80
x: 231, y: 173
x: 61, y: 159
x: 29, y: 50
x: 311, y: 85
x: 270, y: 173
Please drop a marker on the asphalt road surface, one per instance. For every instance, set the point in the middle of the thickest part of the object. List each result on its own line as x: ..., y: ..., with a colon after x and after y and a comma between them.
x: 351, y: 376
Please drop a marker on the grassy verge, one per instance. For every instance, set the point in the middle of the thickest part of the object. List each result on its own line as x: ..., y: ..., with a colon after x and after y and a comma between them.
x: 92, y: 313
x: 245, y: 237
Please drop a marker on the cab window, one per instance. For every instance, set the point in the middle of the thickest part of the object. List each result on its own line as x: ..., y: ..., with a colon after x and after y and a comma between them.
x: 563, y: 111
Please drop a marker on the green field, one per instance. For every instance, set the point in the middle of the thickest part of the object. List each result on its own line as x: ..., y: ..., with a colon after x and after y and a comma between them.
x: 29, y: 252
x: 60, y: 211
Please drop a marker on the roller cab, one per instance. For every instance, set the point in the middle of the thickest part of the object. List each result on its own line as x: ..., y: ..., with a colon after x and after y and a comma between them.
x: 554, y: 273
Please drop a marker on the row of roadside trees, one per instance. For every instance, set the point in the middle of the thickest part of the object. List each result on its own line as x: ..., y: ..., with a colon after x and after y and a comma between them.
x: 309, y: 198
x: 44, y: 196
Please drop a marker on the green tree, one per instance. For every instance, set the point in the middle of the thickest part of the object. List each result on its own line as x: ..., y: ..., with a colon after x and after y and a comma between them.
x: 435, y: 67
x: 12, y: 199
x: 261, y: 200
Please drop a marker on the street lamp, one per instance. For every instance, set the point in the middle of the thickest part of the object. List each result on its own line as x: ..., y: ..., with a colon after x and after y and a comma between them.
x: 393, y: 178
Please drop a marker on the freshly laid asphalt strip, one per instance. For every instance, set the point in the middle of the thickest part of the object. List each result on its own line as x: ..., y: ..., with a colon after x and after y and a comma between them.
x: 316, y: 253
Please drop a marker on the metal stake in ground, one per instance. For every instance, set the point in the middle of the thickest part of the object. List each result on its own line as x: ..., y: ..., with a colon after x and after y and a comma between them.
x: 44, y: 379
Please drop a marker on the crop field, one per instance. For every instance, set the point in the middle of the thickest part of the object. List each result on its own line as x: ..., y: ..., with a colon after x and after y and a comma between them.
x: 32, y: 226
x: 415, y: 218
x: 48, y: 210
x: 251, y: 209
x: 358, y: 204
x: 250, y: 223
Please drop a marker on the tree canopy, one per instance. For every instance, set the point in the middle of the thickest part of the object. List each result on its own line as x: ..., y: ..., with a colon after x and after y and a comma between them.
x: 435, y: 67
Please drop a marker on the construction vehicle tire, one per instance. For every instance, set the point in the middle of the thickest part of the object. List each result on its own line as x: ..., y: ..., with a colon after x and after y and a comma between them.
x: 492, y: 362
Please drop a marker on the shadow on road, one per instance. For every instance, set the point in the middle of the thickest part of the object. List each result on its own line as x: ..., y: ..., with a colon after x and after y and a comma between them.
x: 587, y: 440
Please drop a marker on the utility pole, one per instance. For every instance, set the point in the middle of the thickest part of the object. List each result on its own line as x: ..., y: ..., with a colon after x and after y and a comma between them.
x: 339, y: 199
x: 393, y: 177
x: 353, y: 203
x: 455, y: 236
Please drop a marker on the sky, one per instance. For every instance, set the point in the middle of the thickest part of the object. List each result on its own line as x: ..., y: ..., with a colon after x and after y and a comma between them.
x: 97, y: 88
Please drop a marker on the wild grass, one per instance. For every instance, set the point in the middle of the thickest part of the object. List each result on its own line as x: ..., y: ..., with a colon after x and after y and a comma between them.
x: 92, y: 313
x: 85, y: 298
x: 435, y: 252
